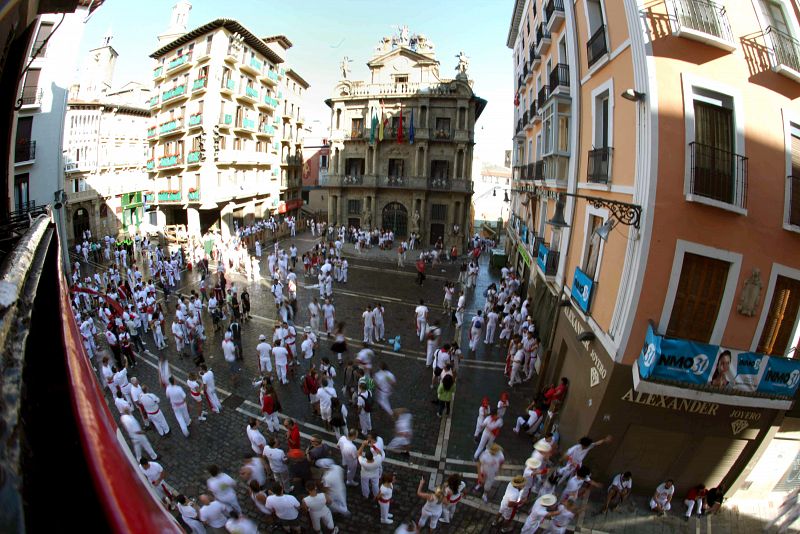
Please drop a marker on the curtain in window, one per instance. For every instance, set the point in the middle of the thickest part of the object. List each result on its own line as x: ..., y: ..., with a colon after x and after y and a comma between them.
x: 713, y: 165
x: 783, y: 310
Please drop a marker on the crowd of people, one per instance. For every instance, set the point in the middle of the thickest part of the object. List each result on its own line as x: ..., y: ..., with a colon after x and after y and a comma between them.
x: 122, y: 303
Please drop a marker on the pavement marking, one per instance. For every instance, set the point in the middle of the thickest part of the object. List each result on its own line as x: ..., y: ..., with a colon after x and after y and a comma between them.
x: 387, y: 459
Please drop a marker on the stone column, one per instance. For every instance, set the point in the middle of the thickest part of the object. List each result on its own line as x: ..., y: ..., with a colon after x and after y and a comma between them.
x: 226, y: 220
x: 193, y: 221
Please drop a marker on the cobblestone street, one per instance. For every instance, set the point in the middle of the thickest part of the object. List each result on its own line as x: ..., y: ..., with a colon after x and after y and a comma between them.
x: 440, y: 445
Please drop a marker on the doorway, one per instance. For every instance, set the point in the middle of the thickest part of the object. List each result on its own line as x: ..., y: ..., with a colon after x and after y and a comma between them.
x: 395, y: 218
x: 437, y: 232
x: 80, y: 222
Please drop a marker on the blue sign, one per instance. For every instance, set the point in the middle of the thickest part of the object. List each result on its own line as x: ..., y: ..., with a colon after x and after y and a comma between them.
x: 781, y: 377
x: 541, y: 256
x: 701, y: 364
x: 650, y: 352
x: 524, y: 234
x: 582, y: 287
x: 685, y: 361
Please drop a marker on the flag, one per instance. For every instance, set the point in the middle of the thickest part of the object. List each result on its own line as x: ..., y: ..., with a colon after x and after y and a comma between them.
x: 373, y: 127
x: 400, y: 126
x: 380, y: 127
x: 411, y: 129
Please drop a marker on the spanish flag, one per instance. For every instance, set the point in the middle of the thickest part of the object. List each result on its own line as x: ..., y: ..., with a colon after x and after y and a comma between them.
x: 400, y: 126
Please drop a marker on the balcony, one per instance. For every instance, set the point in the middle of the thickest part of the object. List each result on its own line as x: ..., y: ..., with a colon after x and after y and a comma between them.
x: 151, y: 164
x: 442, y: 134
x: 554, y: 14
x: 530, y: 171
x: 266, y: 130
x: 520, y: 82
x: 179, y: 63
x: 241, y: 157
x: 785, y: 56
x: 534, y: 58
x: 173, y: 160
x: 525, y: 119
x: 544, y: 93
x: 599, y: 167
x: 538, y: 170
x: 158, y: 73
x: 31, y: 96
x: 718, y: 177
x: 171, y: 127
x: 533, y: 112
x: 82, y: 196
x: 194, y: 157
x: 271, y: 77
x: 151, y: 132
x: 794, y: 202
x: 597, y: 47
x: 174, y: 94
x: 542, y: 39
x: 225, y: 120
x: 357, y: 134
x: 194, y: 195
x: 519, y: 126
x: 25, y: 153
x: 270, y: 102
x: 169, y: 196
x: 195, y: 121
x: 154, y: 102
x: 704, y: 21
x: 252, y: 66
x: 250, y: 95
x: 227, y: 87
x: 559, y: 79
x: 199, y: 85
x: 546, y: 259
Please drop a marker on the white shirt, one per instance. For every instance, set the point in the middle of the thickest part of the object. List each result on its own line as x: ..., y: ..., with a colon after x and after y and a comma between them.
x: 421, y: 312
x: 307, y: 346
x: 214, y: 514
x: 622, y: 484
x: 208, y: 380
x: 264, y: 350
x: 223, y: 487
x: 490, y: 463
x: 370, y: 469
x: 242, y: 525
x: 153, y: 471
x: 281, y: 355
x: 663, y: 493
x: 257, y: 439
x: 286, y: 507
x: 316, y: 505
x: 324, y: 395
x: 276, y: 458
x: 347, y: 448
x: 123, y: 406
x: 176, y: 395
x: 577, y: 454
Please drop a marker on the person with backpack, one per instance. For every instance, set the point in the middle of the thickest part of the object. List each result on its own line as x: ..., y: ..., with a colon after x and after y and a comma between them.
x: 364, y: 404
x: 310, y: 387
x: 475, y: 330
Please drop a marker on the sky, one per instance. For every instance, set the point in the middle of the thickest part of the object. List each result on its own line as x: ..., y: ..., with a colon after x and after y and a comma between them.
x: 324, y: 32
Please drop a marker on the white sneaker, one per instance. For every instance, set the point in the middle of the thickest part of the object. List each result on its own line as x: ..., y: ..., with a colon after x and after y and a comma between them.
x: 485, y: 498
x: 387, y: 522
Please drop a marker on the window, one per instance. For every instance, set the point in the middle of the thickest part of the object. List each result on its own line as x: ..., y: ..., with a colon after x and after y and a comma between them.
x: 208, y: 44
x: 45, y: 29
x: 30, y: 89
x: 713, y: 172
x: 356, y: 128
x: 396, y: 168
x: 442, y: 128
x: 438, y: 212
x: 354, y: 206
x: 547, y: 129
x: 698, y: 297
x: 593, y: 247
x: 440, y: 169
x: 21, y: 191
x: 601, y: 121
x: 781, y: 317
x: 794, y: 179
x: 323, y: 161
x: 354, y: 166
x: 401, y: 78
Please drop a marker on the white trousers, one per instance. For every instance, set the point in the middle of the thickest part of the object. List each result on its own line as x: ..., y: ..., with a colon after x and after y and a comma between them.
x: 281, y: 368
x: 384, y: 511
x: 159, y: 421
x: 365, y: 420
x: 692, y: 504
x: 487, y: 439
x: 141, y: 442
x: 422, y: 326
x: 182, y: 415
x: 213, y: 401
x: 350, y: 465
x: 273, y: 421
x: 368, y: 331
x: 368, y: 484
x: 490, y: 329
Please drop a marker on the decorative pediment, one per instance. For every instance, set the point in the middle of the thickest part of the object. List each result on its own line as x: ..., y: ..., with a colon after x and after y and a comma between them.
x: 399, y: 56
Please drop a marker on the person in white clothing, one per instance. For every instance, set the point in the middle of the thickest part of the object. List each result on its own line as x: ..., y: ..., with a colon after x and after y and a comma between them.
x: 281, y: 356
x: 384, y: 497
x: 196, y: 392
x: 213, y: 513
x: 491, y: 326
x: 277, y: 460
x: 384, y: 386
x: 155, y: 475
x: 223, y: 487
x: 257, y: 439
x: 123, y: 405
x: 363, y: 405
x: 177, y: 398
x: 432, y: 509
x: 349, y: 453
x: 264, y: 350
x: 333, y: 480
x: 370, y: 458
x: 207, y: 376
x: 453, y: 493
x: 377, y: 319
x: 490, y: 429
x: 661, y: 501
x: 475, y: 329
x: 421, y: 319
x: 317, y: 507
x: 190, y: 514
x: 239, y: 524
x: 489, y: 464
x: 150, y: 402
x: 136, y: 434
x: 511, y: 501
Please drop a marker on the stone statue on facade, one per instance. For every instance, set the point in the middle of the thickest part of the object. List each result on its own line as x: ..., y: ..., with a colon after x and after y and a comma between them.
x: 751, y: 294
x: 404, y: 38
x: 423, y: 44
x: 384, y: 45
x: 415, y: 221
x: 463, y: 63
x: 345, y: 66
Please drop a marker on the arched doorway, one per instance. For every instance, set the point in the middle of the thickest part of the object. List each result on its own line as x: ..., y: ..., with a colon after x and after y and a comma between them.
x: 395, y: 218
x: 80, y: 223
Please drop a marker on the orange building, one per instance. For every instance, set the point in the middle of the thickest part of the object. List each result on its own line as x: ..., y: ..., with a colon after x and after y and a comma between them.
x: 656, y: 150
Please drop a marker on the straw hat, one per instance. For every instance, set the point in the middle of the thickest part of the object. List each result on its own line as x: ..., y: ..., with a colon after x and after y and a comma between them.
x: 533, y: 463
x: 518, y: 482
x: 262, y: 337
x: 546, y: 500
x: 542, y: 446
x: 495, y: 448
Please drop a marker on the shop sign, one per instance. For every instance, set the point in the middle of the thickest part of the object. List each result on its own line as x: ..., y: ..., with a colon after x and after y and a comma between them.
x: 671, y: 403
x: 741, y: 420
x: 598, y: 369
x: 541, y: 256
x: 582, y: 287
x: 525, y: 256
x: 702, y: 364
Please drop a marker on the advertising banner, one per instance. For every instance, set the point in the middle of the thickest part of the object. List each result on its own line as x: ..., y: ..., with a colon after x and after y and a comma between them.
x: 582, y: 287
x: 685, y: 361
x: 541, y: 256
x: 525, y: 256
x: 781, y: 377
x: 731, y: 370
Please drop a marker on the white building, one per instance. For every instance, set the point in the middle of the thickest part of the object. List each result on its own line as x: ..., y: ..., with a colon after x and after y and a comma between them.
x: 39, y: 122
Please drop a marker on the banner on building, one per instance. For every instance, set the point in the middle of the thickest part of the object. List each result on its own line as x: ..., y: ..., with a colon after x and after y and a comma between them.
x: 582, y: 288
x: 701, y: 364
